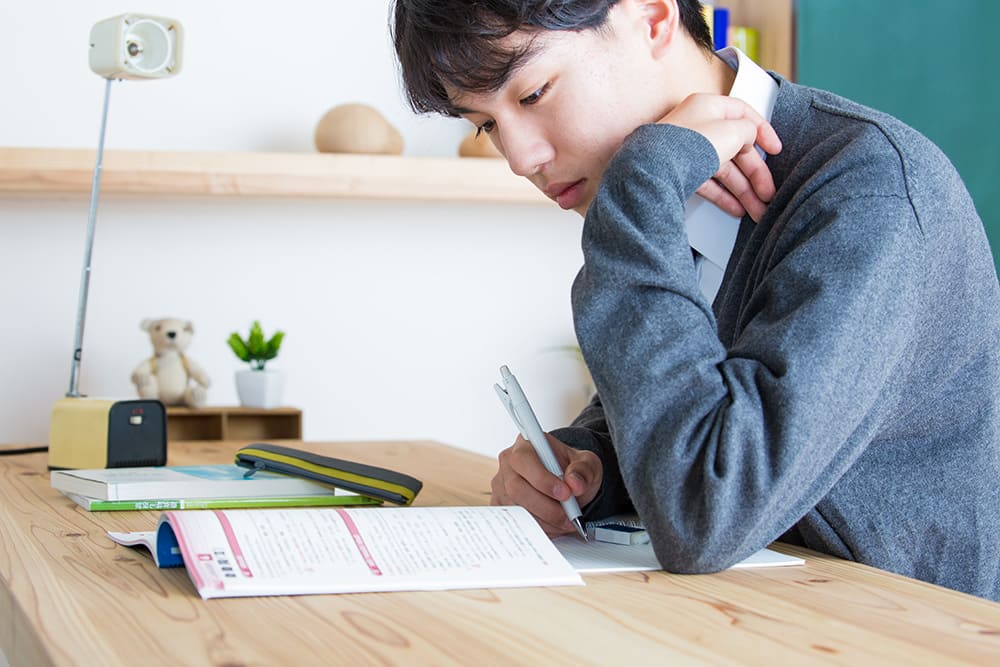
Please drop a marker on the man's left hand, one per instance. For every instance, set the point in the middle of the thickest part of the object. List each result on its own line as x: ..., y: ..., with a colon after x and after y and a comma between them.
x: 743, y: 185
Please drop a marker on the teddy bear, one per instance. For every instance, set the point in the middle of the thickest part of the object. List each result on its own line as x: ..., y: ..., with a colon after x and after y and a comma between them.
x: 169, y: 375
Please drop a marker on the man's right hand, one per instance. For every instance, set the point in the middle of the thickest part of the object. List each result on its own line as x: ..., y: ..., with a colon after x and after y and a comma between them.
x: 522, y: 480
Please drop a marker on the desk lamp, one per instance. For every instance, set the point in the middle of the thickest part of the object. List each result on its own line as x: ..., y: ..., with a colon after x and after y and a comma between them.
x: 105, y: 433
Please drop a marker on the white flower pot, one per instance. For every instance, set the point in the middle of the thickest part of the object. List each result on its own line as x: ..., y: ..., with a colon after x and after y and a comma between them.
x: 260, y: 389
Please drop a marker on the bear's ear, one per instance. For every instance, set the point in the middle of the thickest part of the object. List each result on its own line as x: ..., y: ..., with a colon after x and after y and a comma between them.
x: 189, y: 327
x: 147, y: 324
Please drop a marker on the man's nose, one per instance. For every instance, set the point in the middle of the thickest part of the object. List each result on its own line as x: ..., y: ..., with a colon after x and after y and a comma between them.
x: 526, y: 150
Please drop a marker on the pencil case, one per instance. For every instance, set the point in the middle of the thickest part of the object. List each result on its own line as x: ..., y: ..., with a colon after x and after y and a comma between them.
x: 372, y: 481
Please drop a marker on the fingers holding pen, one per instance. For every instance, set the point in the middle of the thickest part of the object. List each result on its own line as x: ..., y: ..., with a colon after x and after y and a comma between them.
x: 582, y: 470
x: 521, y: 479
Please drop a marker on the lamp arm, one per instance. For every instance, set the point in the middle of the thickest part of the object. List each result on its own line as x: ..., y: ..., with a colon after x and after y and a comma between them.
x: 81, y: 309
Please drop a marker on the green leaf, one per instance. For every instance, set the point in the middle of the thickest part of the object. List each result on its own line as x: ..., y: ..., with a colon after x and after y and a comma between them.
x: 274, y: 344
x: 239, y: 347
x: 256, y: 344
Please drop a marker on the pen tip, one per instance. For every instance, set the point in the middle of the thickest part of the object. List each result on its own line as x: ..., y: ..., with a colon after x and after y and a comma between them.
x: 579, y: 529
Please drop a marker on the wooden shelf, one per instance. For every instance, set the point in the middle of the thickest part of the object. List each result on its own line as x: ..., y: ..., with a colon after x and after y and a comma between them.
x: 374, y: 177
x: 233, y: 423
x: 775, y: 20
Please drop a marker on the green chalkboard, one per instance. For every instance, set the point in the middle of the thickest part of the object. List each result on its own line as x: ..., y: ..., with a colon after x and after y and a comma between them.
x: 931, y: 63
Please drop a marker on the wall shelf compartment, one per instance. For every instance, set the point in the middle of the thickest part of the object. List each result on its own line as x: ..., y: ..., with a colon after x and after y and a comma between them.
x: 233, y: 423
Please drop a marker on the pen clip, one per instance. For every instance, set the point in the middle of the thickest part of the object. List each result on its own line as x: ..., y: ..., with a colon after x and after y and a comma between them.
x: 507, y: 403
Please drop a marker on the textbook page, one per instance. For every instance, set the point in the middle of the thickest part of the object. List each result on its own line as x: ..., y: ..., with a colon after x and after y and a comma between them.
x: 230, y: 553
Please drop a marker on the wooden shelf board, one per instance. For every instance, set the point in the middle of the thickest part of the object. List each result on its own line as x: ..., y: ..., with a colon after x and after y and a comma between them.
x: 214, y: 410
x: 372, y: 177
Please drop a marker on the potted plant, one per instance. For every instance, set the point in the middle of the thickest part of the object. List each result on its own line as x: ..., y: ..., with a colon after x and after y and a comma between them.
x: 258, y: 387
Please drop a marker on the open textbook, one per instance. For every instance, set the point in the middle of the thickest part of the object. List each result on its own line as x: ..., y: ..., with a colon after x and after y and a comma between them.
x: 232, y: 553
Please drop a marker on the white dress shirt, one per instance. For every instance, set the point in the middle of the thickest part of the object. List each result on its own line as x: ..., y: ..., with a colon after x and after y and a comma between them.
x: 711, y: 231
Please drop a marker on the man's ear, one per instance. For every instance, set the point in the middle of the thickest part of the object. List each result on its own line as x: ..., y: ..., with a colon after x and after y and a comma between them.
x: 661, y: 21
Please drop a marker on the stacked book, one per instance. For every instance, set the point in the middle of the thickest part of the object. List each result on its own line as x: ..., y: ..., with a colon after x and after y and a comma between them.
x: 224, y: 486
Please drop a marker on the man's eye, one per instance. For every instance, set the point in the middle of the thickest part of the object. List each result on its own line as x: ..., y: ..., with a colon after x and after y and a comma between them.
x: 486, y: 127
x: 535, y: 96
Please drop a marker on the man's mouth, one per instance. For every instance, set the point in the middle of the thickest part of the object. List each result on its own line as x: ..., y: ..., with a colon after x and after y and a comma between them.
x: 567, y: 194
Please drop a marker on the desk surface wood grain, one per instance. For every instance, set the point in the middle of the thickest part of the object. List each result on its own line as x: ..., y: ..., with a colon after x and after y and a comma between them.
x: 68, y: 595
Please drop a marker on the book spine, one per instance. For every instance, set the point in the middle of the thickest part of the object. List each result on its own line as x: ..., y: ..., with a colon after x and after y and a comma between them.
x: 95, y: 505
x: 228, y: 503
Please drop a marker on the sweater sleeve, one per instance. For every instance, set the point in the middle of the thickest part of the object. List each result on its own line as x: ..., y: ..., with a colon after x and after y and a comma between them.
x: 723, y: 450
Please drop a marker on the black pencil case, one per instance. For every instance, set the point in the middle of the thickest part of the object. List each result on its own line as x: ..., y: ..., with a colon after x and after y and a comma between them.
x: 372, y: 481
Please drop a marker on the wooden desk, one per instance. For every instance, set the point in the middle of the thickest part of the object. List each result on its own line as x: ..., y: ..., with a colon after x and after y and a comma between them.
x: 70, y: 596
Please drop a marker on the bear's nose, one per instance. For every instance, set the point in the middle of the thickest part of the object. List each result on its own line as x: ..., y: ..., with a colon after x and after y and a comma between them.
x: 171, y: 334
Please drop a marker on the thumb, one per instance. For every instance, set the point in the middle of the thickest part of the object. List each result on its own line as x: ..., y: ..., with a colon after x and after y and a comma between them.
x: 583, y: 476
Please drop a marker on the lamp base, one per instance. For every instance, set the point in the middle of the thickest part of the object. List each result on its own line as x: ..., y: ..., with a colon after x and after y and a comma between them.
x: 105, y: 433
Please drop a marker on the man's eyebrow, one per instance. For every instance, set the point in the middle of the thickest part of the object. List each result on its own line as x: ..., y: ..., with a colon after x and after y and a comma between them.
x: 517, y: 60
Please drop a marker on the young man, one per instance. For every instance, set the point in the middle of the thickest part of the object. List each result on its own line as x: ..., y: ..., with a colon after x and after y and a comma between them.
x: 824, y: 370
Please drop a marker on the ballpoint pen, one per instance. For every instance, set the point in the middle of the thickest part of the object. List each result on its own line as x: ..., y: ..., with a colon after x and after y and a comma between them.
x: 513, y: 398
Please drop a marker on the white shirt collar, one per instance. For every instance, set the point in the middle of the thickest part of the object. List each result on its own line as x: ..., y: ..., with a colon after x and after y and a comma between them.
x: 711, y: 231
x: 752, y: 85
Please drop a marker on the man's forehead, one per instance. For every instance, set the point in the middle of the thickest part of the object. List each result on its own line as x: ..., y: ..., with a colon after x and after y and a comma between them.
x: 522, y: 47
x: 464, y: 102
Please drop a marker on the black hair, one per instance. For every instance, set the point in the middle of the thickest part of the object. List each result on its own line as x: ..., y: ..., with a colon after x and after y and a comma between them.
x: 461, y: 42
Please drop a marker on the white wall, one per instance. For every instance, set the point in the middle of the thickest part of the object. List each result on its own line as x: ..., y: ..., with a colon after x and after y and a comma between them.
x: 397, y: 314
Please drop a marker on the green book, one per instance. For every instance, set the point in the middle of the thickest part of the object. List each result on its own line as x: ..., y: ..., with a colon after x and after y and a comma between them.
x: 339, y: 499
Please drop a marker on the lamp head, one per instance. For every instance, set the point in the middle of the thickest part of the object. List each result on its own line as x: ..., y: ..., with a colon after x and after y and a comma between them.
x: 136, y: 46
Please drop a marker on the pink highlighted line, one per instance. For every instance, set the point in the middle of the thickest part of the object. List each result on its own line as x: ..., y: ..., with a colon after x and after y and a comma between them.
x: 359, y: 542
x: 234, y: 544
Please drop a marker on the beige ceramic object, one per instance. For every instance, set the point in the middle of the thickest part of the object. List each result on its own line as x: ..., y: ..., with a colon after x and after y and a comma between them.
x: 481, y: 146
x: 357, y: 128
